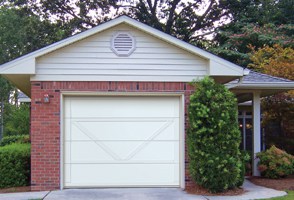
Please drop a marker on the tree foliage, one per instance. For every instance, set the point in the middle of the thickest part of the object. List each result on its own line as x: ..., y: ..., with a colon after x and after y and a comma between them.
x: 21, y: 32
x: 16, y: 121
x: 214, y: 137
x: 259, y: 23
x: 189, y: 20
x: 275, y: 61
x: 277, y: 109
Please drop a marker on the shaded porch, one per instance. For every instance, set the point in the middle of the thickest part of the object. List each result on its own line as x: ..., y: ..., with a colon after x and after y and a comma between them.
x: 249, y: 91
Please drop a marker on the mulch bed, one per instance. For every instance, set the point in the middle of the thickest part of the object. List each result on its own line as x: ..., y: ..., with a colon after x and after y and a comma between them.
x: 198, y: 190
x: 278, y: 184
x: 16, y: 189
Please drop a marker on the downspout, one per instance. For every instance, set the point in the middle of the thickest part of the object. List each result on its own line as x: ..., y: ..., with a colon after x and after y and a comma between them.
x: 241, y: 79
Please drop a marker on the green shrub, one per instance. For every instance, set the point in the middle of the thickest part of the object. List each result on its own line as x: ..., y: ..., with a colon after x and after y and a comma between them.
x: 14, y: 165
x: 16, y: 119
x: 275, y: 163
x: 245, y: 157
x: 214, y: 137
x: 14, y: 139
x: 248, y: 163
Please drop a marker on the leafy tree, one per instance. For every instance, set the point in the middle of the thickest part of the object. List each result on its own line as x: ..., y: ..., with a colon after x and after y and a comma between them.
x: 275, y: 61
x: 214, y: 137
x: 5, y: 89
x: 16, y: 120
x: 278, y: 120
x: 277, y: 109
x: 188, y: 20
x: 236, y: 45
x: 259, y: 23
x: 70, y: 15
x: 21, y: 32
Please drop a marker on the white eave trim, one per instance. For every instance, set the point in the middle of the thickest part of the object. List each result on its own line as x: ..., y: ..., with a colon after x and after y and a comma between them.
x: 274, y: 85
x: 235, y: 70
x: 23, y: 66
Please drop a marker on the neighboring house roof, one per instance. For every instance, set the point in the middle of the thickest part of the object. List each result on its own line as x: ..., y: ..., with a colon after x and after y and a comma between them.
x: 259, y: 77
x: 257, y: 82
x: 22, y: 98
x: 20, y: 70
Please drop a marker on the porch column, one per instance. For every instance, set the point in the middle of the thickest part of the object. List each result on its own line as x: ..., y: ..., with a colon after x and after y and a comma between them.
x: 256, y: 132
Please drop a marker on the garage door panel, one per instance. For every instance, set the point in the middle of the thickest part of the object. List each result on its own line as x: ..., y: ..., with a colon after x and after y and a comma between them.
x: 121, y: 141
x: 140, y: 174
x: 166, y: 152
x: 127, y: 152
x: 85, y: 152
x: 122, y: 107
x: 124, y: 130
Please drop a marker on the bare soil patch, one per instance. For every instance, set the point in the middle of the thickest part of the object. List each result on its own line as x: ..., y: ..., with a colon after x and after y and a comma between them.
x: 16, y: 189
x: 278, y: 184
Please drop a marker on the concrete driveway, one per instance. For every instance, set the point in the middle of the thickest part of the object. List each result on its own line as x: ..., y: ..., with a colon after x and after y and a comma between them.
x: 252, y: 192
x: 123, y: 194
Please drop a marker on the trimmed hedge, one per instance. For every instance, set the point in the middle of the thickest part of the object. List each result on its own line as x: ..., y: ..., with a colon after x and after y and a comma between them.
x: 214, y: 138
x: 15, y: 139
x: 275, y: 163
x: 15, y: 165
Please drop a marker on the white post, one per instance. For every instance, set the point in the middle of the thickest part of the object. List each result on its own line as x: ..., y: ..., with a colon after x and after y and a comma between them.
x: 256, y: 131
x: 244, y: 129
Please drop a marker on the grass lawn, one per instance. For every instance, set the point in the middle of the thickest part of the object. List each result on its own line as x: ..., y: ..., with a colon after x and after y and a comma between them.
x: 290, y: 196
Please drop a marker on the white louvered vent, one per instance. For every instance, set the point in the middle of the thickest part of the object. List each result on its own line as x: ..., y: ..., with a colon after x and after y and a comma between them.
x: 123, y: 44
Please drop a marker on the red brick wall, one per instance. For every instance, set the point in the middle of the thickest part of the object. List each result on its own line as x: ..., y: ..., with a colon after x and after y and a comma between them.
x: 45, y: 122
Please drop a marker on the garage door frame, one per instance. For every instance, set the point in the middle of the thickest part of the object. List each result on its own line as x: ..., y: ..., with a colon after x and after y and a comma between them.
x: 181, y: 96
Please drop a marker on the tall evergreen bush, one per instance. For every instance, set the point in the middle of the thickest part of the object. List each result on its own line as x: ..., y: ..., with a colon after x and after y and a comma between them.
x: 214, y: 137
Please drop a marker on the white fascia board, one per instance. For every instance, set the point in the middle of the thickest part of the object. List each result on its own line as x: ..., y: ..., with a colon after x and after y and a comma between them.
x: 217, y: 68
x: 25, y: 66
x: 24, y: 100
x: 276, y: 86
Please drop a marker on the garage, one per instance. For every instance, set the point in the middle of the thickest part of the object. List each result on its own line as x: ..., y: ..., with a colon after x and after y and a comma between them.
x: 121, y: 141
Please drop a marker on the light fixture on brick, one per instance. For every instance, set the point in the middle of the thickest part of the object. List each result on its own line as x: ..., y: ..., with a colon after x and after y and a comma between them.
x: 46, y: 98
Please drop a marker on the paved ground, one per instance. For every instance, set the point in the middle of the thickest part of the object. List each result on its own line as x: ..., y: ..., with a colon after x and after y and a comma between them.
x: 23, y: 195
x: 252, y: 192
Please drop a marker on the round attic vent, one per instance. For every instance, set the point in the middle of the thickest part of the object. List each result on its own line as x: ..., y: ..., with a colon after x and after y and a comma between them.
x: 123, y: 44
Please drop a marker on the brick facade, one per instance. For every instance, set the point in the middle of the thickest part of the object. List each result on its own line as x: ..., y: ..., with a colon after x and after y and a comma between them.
x: 45, y: 122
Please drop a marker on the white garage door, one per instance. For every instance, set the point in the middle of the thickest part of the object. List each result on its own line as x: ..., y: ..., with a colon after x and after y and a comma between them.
x: 121, y: 141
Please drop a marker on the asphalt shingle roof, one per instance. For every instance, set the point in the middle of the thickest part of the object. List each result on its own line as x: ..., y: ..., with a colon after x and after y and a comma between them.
x: 22, y: 95
x: 256, y: 77
x: 259, y: 77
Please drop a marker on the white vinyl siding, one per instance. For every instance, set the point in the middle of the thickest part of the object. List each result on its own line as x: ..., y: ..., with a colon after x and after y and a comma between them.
x: 92, y: 59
